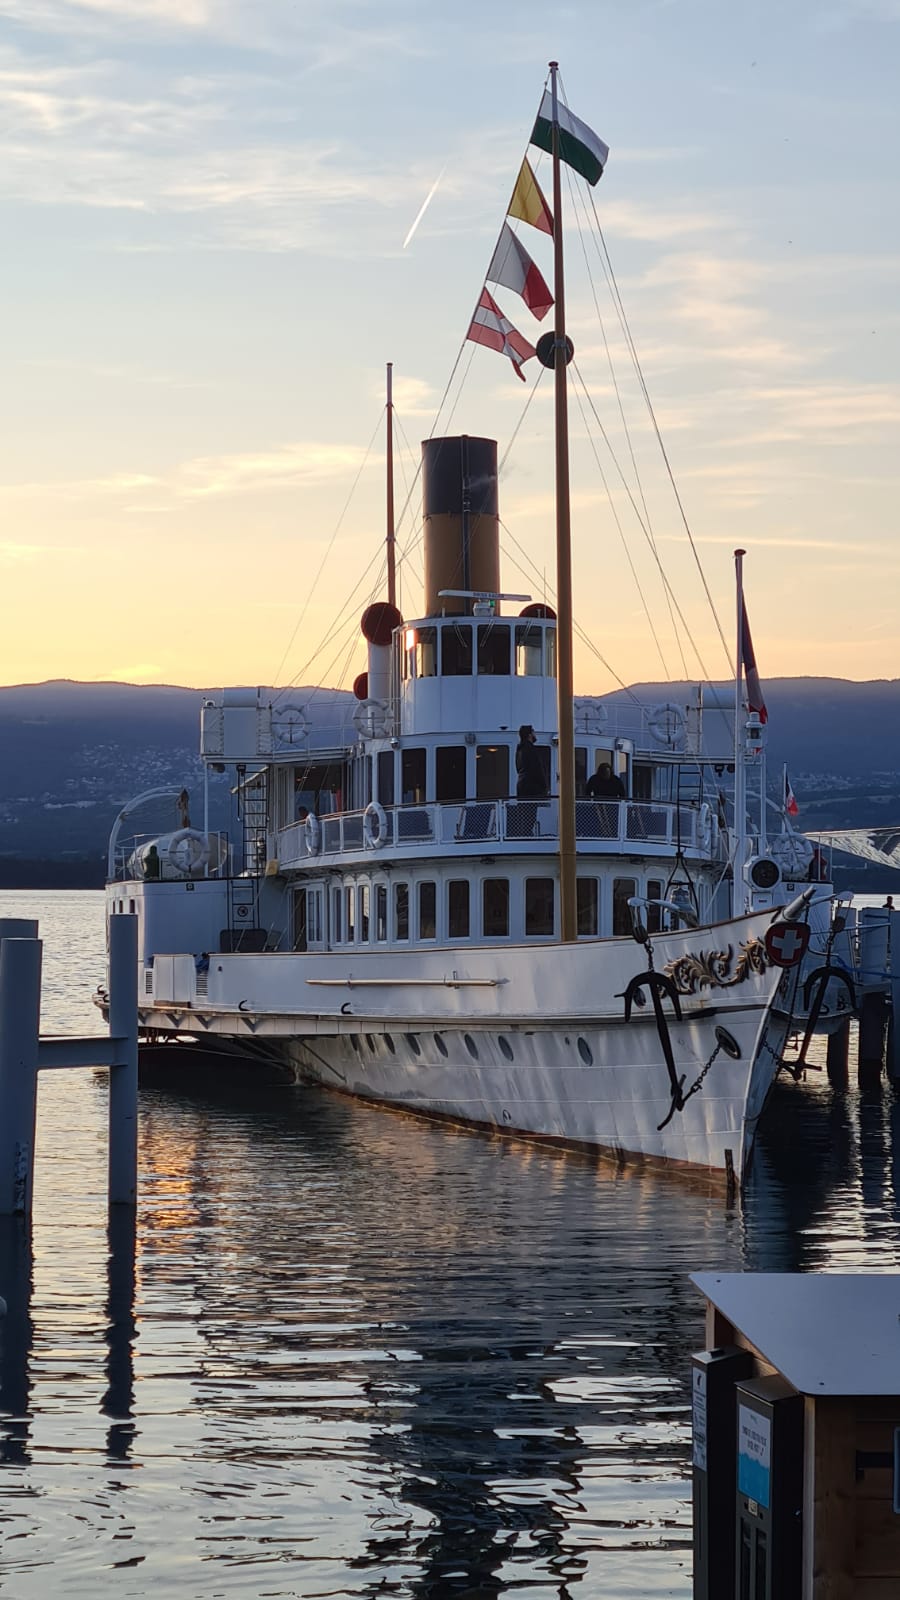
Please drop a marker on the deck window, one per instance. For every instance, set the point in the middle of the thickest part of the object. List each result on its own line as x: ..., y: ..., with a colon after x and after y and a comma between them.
x: 350, y: 904
x: 314, y: 915
x: 491, y: 772
x: 427, y: 911
x: 386, y: 777
x: 495, y: 908
x: 586, y: 899
x: 623, y: 890
x: 550, y: 653
x: 412, y: 782
x: 493, y: 650
x: 450, y: 772
x: 538, y: 908
x: 456, y: 650
x: 420, y: 653
x: 458, y: 908
x: 337, y: 903
x: 401, y: 911
x: 300, y: 931
x: 580, y: 771
x: 654, y: 913
x: 380, y: 912
x: 364, y: 913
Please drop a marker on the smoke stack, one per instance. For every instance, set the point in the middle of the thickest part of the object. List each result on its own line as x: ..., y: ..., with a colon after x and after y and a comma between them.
x: 460, y: 511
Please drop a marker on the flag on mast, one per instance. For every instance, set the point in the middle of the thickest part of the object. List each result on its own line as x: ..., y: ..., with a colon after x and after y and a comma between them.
x: 528, y: 203
x: 579, y: 146
x: 490, y: 327
x: 791, y: 808
x: 748, y: 658
x: 512, y: 266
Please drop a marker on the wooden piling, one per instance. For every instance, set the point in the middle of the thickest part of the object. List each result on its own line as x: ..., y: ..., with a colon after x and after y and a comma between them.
x: 838, y: 1055
x: 123, y: 1072
x: 872, y: 1019
x: 20, y: 1013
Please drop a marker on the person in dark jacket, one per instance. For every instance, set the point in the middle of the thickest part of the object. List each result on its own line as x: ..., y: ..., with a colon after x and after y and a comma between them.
x: 604, y: 785
x: 531, y: 778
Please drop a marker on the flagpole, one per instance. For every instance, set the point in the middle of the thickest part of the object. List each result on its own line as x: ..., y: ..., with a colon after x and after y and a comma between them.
x: 568, y: 918
x: 391, y: 537
x: 739, y: 887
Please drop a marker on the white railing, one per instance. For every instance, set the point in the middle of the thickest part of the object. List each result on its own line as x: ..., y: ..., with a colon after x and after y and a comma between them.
x: 611, y: 825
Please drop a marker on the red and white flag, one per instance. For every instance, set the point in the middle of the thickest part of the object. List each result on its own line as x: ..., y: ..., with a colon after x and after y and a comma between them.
x: 791, y: 808
x: 512, y: 266
x: 754, y: 688
x: 489, y: 326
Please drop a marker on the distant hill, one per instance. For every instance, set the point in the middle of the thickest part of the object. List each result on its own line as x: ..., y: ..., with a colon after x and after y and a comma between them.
x: 72, y: 753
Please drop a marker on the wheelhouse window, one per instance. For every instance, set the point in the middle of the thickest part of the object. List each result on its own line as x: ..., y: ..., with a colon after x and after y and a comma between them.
x: 456, y: 650
x: 364, y: 913
x: 412, y: 782
x: 381, y: 912
x: 458, y: 908
x: 450, y: 772
x: 493, y: 650
x: 538, y: 908
x: 401, y: 911
x: 427, y: 911
x: 386, y: 777
x: 491, y: 772
x: 529, y: 650
x: 550, y: 653
x: 623, y: 890
x: 587, y: 907
x: 420, y: 653
x: 495, y: 908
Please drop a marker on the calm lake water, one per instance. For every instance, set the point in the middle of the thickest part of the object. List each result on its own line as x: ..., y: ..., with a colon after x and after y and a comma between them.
x: 362, y: 1356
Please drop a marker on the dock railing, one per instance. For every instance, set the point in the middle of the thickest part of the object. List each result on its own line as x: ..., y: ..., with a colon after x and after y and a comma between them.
x: 23, y: 1053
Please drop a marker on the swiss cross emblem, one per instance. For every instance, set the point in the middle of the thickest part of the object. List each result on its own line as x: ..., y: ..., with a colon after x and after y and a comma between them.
x: 787, y: 942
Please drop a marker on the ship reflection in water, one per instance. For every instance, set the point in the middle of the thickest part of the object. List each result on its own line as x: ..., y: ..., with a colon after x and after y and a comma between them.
x: 360, y: 1355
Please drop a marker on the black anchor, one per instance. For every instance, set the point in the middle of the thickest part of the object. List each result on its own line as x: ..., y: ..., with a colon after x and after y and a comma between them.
x: 660, y: 985
x: 814, y: 998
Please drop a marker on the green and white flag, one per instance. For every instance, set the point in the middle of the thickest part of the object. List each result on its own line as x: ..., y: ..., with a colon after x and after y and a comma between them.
x: 579, y: 146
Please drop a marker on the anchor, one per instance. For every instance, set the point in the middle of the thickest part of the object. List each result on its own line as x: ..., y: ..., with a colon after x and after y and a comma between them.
x: 660, y: 985
x: 814, y: 998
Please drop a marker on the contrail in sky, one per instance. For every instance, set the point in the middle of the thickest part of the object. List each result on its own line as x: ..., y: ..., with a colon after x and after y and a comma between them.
x: 424, y: 206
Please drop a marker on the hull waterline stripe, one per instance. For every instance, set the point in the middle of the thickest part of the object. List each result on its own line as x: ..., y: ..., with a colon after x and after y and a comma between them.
x: 407, y: 983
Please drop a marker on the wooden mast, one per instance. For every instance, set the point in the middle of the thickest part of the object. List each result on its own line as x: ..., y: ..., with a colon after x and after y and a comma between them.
x: 568, y: 916
x: 390, y: 540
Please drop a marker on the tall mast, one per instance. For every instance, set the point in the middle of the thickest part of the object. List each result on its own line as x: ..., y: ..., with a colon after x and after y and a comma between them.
x: 739, y: 887
x: 390, y: 541
x: 568, y: 917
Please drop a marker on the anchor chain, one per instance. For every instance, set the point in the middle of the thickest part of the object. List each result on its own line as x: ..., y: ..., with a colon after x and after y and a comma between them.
x: 698, y: 1081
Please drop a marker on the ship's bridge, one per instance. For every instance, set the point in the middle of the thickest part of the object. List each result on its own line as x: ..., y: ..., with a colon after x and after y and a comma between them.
x: 475, y: 672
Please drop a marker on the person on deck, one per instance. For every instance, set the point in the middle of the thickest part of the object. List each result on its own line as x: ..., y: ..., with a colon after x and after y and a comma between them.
x: 604, y: 785
x: 531, y: 777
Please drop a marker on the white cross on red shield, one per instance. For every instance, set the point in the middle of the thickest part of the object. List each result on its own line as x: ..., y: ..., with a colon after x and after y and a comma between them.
x: 787, y: 943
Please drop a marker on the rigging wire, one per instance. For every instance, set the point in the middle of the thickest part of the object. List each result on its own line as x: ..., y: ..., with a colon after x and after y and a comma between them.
x: 637, y: 476
x: 328, y: 548
x: 626, y: 329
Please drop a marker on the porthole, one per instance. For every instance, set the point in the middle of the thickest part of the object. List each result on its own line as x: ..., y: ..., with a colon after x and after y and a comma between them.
x: 585, y: 1052
x: 506, y: 1048
x: 471, y: 1046
x: 727, y: 1042
x: 414, y: 1044
x: 441, y: 1045
x: 390, y: 1044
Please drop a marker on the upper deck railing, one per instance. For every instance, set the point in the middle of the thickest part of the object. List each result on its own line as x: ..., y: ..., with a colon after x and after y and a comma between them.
x: 612, y: 826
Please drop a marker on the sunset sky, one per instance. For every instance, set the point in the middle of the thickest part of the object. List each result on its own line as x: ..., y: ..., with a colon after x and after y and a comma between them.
x: 204, y: 205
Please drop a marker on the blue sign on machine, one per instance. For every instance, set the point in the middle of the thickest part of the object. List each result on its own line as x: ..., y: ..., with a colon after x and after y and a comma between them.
x: 754, y: 1455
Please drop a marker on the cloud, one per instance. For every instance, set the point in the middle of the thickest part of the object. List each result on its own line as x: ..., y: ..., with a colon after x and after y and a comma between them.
x: 286, y: 466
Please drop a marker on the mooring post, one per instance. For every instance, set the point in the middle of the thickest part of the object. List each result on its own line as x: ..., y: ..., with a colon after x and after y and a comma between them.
x: 123, y: 1074
x: 20, y: 1021
x: 838, y: 1055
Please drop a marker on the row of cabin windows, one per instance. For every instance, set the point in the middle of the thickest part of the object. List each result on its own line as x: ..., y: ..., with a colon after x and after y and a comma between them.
x: 366, y: 913
x: 494, y: 773
x: 498, y: 650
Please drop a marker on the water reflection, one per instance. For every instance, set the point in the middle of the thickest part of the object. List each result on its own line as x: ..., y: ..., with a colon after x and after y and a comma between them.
x: 118, y: 1400
x: 16, y: 1331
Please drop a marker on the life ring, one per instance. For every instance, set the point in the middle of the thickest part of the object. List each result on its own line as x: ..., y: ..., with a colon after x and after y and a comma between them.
x: 188, y: 851
x: 375, y: 826
x: 705, y: 827
x: 666, y: 724
x: 591, y: 716
x: 290, y: 726
x: 371, y: 718
x: 313, y: 835
x: 793, y: 852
